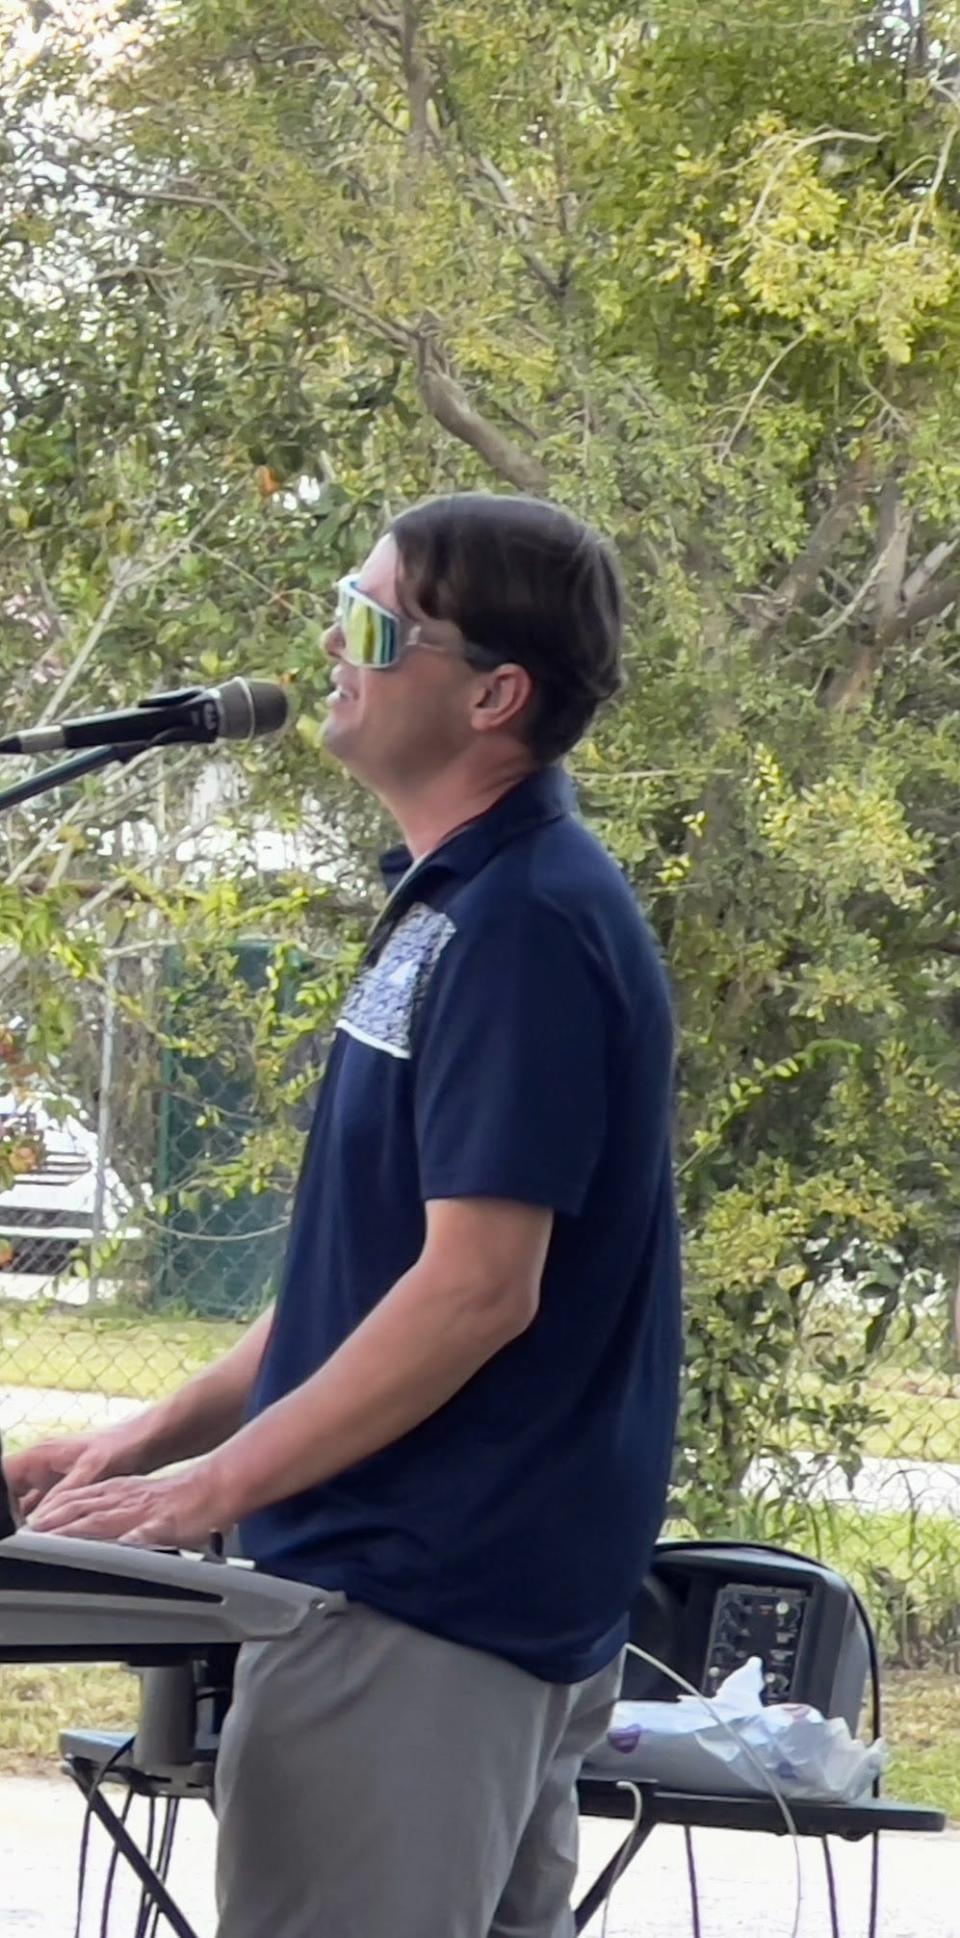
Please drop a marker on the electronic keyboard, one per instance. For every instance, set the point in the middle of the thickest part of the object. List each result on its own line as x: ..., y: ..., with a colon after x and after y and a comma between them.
x: 67, y: 1600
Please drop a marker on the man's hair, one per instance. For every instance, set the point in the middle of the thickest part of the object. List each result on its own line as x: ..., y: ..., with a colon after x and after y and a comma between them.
x: 524, y: 582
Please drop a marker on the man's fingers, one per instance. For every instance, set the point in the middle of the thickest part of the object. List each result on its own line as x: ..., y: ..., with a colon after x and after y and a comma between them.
x: 44, y: 1490
x: 87, y: 1524
x: 65, y: 1505
x: 74, y: 1481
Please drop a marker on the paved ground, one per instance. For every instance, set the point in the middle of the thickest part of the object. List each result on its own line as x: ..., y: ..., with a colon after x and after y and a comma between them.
x: 39, y: 1407
x: 747, y: 1885
x: 885, y: 1486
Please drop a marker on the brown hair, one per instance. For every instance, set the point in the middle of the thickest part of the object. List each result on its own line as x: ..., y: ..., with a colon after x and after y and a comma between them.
x: 526, y: 582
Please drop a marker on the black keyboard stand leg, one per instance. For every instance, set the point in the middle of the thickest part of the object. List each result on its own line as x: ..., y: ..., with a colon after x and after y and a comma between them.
x: 612, y: 1873
x: 154, y: 1887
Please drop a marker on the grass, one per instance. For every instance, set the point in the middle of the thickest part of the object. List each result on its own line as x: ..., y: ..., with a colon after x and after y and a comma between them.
x: 915, y: 1427
x: 116, y: 1353
x: 915, y: 1416
x: 37, y: 1703
x: 922, y: 1728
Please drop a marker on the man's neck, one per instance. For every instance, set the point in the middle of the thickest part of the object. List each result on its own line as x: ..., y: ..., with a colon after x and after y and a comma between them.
x: 435, y: 812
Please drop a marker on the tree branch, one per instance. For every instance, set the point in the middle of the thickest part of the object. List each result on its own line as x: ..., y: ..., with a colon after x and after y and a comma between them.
x: 894, y: 528
x: 535, y: 263
x: 187, y: 199
x: 853, y: 604
x: 849, y: 686
x: 126, y: 577
x: 441, y: 395
x: 803, y: 574
x: 928, y: 605
x: 446, y: 402
x: 417, y: 77
x: 935, y: 186
x: 923, y: 574
x: 755, y: 395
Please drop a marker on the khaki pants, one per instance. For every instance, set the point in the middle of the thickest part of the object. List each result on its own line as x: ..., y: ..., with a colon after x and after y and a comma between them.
x: 376, y: 1782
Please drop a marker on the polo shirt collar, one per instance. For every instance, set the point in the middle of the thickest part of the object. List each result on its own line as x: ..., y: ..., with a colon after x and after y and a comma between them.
x: 544, y: 796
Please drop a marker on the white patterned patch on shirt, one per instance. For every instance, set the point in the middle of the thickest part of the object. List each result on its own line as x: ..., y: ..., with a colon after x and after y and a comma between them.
x: 381, y: 1007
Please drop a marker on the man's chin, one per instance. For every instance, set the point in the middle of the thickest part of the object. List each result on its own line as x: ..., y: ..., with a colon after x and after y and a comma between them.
x: 334, y: 732
x: 339, y: 741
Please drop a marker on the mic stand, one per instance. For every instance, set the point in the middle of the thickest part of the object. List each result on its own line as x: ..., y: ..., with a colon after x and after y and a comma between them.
x: 61, y: 775
x: 72, y: 770
x: 152, y: 1880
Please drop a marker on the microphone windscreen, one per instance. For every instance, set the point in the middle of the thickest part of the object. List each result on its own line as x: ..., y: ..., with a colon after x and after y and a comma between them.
x: 249, y: 708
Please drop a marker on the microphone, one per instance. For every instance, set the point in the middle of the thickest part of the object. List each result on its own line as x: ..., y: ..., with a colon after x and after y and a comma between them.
x: 238, y: 710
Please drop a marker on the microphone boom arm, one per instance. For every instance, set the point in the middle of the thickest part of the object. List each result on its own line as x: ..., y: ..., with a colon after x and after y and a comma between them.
x: 73, y: 770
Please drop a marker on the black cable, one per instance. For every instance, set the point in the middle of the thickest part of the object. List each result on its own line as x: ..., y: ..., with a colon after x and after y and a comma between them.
x: 874, y: 1884
x: 104, y: 1770
x: 695, y: 1925
x: 112, y: 1872
x: 146, y: 1906
x: 169, y: 1832
x: 831, y: 1888
x: 164, y: 1856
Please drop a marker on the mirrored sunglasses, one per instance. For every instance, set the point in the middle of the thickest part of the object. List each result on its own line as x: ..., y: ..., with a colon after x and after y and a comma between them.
x: 372, y: 636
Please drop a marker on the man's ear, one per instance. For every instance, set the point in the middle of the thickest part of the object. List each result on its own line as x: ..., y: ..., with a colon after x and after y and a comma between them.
x: 503, y: 696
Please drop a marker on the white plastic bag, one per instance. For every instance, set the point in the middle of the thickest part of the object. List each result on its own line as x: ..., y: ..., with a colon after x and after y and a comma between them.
x: 685, y: 1746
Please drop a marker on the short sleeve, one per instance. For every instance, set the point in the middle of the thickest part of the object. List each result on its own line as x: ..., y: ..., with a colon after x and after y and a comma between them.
x: 510, y: 1076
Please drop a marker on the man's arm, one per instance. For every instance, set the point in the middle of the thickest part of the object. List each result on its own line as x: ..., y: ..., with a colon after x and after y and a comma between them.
x: 194, y: 1420
x: 210, y: 1407
x: 474, y: 1288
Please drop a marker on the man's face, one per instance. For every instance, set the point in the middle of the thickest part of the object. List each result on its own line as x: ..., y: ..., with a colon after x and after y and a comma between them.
x: 398, y: 726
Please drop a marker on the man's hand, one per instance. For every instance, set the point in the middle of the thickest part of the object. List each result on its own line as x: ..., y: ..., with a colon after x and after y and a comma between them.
x: 176, y: 1511
x: 81, y: 1458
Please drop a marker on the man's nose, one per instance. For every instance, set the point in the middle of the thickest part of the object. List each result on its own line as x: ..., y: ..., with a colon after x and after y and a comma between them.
x: 333, y: 642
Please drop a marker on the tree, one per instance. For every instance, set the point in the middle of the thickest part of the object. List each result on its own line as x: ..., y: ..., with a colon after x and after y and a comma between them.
x: 694, y: 275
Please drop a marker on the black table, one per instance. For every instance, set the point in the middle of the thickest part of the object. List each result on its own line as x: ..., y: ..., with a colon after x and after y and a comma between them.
x: 96, y: 1758
x: 602, y: 1796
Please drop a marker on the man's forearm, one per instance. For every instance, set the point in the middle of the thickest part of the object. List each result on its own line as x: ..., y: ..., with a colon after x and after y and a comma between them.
x: 206, y: 1411
x: 411, y: 1355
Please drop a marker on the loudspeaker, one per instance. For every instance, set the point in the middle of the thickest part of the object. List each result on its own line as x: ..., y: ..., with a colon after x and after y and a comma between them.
x: 706, y: 1607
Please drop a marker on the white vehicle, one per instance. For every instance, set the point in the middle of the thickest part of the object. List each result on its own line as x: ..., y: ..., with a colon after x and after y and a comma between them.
x: 49, y: 1213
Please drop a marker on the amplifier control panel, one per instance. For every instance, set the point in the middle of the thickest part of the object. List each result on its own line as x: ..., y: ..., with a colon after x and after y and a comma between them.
x: 749, y: 1620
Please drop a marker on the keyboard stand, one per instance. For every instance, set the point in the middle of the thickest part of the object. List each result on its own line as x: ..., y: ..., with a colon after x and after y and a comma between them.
x: 93, y: 1758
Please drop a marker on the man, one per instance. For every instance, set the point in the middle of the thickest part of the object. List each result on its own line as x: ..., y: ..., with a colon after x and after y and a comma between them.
x: 459, y: 1417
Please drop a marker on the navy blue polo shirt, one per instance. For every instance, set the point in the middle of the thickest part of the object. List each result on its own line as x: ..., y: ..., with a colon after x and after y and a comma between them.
x: 509, y: 1035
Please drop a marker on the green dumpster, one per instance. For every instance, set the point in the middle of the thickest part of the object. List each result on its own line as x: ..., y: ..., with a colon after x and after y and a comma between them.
x: 215, y: 1255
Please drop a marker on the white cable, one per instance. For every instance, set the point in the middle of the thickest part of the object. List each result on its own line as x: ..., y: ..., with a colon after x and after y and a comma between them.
x: 767, y: 1780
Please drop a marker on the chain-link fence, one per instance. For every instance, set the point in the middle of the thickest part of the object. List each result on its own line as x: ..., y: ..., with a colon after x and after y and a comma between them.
x: 146, y: 1225
x: 145, y: 1222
